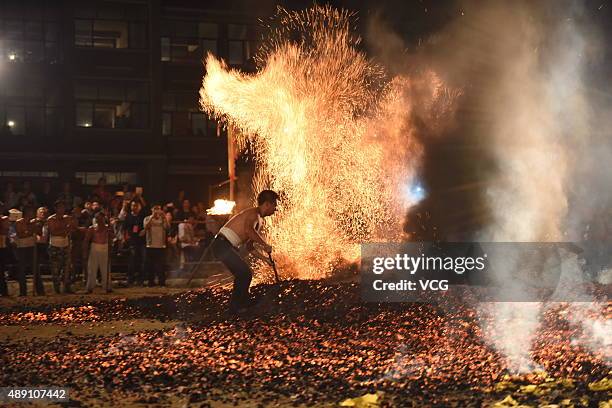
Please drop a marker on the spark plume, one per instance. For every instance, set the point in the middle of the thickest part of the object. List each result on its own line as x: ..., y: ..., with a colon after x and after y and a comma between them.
x: 329, y: 131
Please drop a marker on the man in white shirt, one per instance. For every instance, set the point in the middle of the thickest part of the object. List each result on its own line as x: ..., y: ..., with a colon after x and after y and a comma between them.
x: 156, y: 226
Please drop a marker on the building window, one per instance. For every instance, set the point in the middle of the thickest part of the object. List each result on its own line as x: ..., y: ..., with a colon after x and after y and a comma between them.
x: 90, y: 178
x: 46, y: 174
x: 23, y: 109
x: 188, y: 41
x: 25, y: 40
x: 111, y: 25
x: 112, y: 105
x: 183, y: 118
x: 238, y: 45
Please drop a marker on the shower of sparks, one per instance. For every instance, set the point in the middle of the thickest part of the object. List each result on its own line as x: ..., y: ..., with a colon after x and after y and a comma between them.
x: 329, y: 131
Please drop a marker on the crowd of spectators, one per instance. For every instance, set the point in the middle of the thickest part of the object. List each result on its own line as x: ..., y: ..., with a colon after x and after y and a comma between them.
x: 80, y: 236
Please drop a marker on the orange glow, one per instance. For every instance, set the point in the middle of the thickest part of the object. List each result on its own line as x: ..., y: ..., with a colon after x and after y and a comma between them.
x: 329, y: 133
x: 221, y: 207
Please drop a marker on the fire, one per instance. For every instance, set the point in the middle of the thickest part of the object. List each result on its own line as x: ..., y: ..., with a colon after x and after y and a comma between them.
x: 221, y: 207
x: 329, y: 133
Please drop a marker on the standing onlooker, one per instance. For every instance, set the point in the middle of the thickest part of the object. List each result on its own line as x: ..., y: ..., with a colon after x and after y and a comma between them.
x: 179, y: 199
x: 184, y: 211
x: 98, y: 257
x: 156, y: 227
x: 60, y: 226
x: 172, y: 241
x: 69, y: 199
x: 103, y: 195
x: 41, y: 233
x: 188, y: 239
x: 25, y: 243
x: 45, y: 198
x: 27, y: 198
x: 133, y: 227
x: 11, y: 198
x: 76, y: 245
x: 4, y: 231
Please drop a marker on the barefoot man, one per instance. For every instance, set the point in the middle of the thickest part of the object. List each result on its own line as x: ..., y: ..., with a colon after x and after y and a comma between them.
x: 243, y: 229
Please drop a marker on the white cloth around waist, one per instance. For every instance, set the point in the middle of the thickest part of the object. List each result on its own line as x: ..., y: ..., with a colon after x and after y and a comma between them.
x: 58, y: 241
x: 231, y: 236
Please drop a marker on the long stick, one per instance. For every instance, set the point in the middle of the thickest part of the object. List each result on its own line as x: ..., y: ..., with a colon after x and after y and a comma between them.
x: 195, y: 267
x: 274, y: 267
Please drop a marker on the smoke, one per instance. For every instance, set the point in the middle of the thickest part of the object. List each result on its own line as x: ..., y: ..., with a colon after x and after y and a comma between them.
x: 544, y: 152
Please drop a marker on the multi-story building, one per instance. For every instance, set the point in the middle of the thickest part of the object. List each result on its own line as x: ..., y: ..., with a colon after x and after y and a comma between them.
x: 110, y: 88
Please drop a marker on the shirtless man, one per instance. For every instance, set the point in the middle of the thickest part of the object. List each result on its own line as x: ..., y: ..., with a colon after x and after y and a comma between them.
x: 26, y: 247
x: 243, y: 229
x: 60, y: 226
x: 4, y: 230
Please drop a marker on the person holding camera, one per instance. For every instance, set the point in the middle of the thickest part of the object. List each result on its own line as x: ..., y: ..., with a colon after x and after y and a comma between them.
x: 156, y: 226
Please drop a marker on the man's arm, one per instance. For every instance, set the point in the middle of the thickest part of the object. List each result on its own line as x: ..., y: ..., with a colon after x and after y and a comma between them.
x: 253, y: 234
x: 147, y: 222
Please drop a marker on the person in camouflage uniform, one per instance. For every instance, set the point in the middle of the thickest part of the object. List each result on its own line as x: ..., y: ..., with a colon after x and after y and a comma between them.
x: 60, y: 227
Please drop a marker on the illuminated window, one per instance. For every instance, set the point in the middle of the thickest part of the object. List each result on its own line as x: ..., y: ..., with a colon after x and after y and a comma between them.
x: 110, y: 25
x: 188, y: 41
x: 112, y: 104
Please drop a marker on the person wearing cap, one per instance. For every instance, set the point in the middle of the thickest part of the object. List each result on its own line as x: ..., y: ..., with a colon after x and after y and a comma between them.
x: 25, y: 243
x: 60, y: 226
x: 242, y: 230
x: 4, y: 231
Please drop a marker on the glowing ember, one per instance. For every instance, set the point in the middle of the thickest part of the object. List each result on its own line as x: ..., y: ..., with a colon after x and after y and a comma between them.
x: 221, y: 207
x: 328, y: 133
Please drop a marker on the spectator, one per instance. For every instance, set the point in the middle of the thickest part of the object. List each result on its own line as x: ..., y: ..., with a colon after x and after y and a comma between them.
x: 133, y: 228
x: 26, y: 197
x: 76, y: 244
x: 172, y: 240
x: 188, y: 240
x: 179, y: 200
x: 4, y: 230
x: 87, y: 215
x: 69, y: 199
x: 25, y: 244
x: 41, y: 232
x: 128, y: 194
x: 60, y: 226
x: 100, y: 236
x: 103, y: 195
x: 11, y: 198
x: 156, y: 227
x: 184, y: 211
x: 45, y: 198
